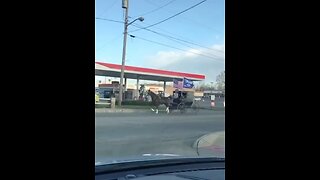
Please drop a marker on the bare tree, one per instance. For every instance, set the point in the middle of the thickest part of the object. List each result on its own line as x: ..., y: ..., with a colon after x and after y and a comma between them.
x: 203, y: 86
x: 220, y: 80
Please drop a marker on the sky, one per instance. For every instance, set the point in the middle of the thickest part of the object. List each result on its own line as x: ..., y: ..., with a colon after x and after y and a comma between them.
x: 191, y: 42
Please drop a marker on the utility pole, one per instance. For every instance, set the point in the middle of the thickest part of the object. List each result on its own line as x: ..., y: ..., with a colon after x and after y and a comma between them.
x: 125, y: 5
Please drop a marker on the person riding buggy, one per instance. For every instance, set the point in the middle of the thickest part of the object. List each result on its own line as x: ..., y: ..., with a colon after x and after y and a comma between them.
x: 177, y: 97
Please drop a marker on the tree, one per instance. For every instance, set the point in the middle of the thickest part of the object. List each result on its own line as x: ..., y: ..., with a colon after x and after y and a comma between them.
x: 220, y: 80
x: 203, y: 86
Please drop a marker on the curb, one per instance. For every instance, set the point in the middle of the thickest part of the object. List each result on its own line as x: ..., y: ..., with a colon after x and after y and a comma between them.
x: 208, y: 138
x: 211, y: 145
x: 129, y: 110
x: 214, y: 109
x: 109, y: 110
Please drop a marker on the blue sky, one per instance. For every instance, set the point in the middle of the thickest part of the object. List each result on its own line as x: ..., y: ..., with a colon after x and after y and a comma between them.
x: 202, y: 25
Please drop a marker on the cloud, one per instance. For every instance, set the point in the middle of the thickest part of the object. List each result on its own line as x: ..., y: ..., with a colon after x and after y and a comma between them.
x: 209, y: 62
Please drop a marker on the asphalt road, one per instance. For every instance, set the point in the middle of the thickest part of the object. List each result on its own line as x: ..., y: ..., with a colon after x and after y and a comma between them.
x: 130, y: 135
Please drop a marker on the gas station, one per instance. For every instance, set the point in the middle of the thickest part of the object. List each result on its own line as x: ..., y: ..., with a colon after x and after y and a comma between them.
x: 140, y: 73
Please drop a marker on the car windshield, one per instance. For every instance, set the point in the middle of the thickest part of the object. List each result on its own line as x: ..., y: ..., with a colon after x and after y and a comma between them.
x: 159, y: 79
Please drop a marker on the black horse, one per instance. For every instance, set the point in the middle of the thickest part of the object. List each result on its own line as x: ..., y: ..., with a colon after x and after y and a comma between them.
x: 157, y: 101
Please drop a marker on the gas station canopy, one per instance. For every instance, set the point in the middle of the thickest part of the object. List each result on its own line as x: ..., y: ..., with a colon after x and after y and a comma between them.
x: 132, y: 72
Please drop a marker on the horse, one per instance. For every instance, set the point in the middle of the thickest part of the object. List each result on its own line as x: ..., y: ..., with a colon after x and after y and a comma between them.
x: 157, y: 101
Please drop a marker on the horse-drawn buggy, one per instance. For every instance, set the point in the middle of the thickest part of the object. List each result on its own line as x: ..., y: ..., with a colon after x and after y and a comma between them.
x: 179, y: 101
x: 184, y: 100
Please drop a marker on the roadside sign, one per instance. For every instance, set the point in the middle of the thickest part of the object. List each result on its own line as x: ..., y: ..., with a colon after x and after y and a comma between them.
x: 213, y: 97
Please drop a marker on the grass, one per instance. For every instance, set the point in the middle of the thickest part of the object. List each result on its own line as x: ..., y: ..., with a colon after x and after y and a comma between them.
x: 134, y: 107
x: 136, y: 103
x: 128, y: 104
x: 102, y: 105
x: 123, y: 106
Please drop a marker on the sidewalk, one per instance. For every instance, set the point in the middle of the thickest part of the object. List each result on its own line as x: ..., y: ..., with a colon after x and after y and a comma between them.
x: 212, y: 144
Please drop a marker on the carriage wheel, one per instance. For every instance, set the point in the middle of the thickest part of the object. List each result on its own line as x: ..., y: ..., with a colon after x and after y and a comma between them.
x: 182, y: 108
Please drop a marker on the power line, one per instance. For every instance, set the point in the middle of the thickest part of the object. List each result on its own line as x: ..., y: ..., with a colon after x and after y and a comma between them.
x: 200, y: 24
x: 212, y: 55
x: 185, y: 41
x: 154, y: 10
x: 109, y: 20
x: 176, y: 35
x: 161, y: 34
x: 190, y: 20
x: 171, y: 16
x: 174, y: 40
x: 173, y: 47
x: 107, y: 42
x: 169, y: 37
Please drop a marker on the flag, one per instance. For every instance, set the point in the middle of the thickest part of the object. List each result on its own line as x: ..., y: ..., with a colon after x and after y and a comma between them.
x: 177, y: 84
x: 187, y: 83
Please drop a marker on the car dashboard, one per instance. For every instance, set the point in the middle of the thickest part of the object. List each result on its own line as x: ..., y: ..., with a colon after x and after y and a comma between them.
x: 168, y: 169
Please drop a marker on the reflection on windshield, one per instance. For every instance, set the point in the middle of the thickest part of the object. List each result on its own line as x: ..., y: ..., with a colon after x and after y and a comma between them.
x: 160, y: 80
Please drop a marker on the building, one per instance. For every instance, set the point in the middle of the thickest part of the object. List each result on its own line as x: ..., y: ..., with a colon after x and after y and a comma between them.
x: 140, y: 73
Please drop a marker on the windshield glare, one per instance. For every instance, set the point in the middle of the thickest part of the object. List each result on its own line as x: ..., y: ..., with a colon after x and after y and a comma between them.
x: 159, y: 80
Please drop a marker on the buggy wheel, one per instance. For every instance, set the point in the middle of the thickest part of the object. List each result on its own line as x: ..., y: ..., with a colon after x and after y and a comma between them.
x: 181, y: 107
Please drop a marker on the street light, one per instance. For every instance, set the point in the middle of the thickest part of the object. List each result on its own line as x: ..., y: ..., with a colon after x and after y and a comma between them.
x: 126, y: 24
x: 140, y: 19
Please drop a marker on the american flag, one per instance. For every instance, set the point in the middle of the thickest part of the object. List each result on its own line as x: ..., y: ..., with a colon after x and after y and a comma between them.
x: 177, y: 84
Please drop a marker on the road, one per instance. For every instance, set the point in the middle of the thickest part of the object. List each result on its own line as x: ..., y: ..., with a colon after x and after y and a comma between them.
x: 124, y: 135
